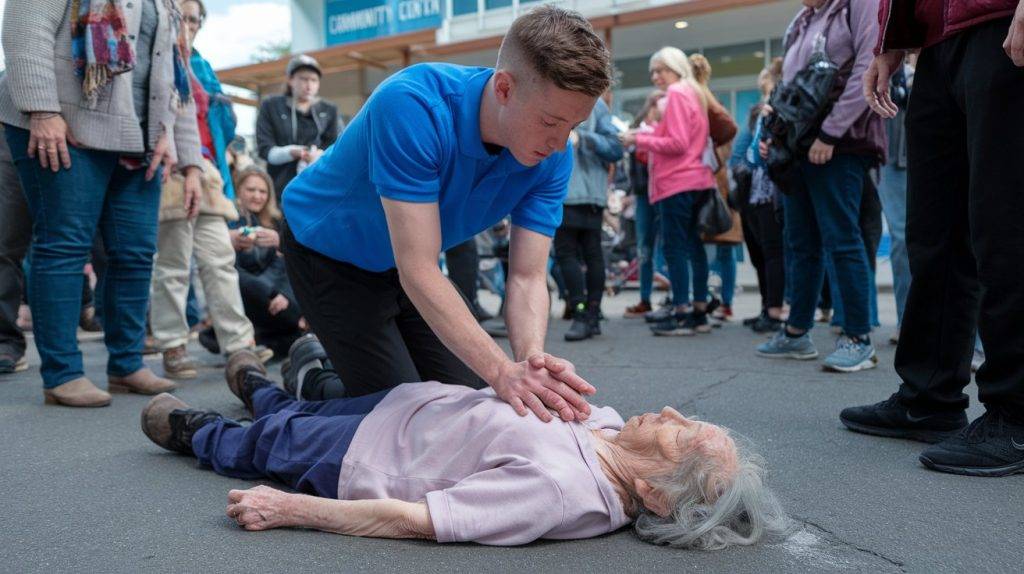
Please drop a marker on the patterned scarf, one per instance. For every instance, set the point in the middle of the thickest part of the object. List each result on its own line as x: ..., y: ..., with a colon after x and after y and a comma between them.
x: 101, y: 48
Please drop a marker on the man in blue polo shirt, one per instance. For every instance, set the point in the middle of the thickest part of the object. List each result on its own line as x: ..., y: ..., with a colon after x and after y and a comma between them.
x: 439, y: 153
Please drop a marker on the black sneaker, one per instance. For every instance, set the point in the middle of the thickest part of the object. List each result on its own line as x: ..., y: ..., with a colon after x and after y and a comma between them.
x: 304, y: 350
x: 682, y: 325
x: 766, y: 324
x: 749, y: 321
x: 660, y: 314
x: 892, y: 419
x: 993, y: 445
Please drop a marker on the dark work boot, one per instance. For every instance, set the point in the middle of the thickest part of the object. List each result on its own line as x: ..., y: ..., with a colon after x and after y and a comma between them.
x: 169, y: 422
x: 581, y: 325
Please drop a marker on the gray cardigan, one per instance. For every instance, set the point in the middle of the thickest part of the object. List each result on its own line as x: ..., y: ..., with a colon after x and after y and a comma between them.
x: 41, y: 78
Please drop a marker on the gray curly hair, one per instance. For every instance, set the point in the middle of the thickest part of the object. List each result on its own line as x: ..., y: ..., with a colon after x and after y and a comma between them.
x: 719, y: 501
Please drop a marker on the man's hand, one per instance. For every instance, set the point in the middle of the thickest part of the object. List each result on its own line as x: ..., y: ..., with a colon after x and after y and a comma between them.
x: 277, y: 304
x: 1014, y: 44
x: 820, y: 152
x: 161, y: 155
x: 193, y: 187
x: 876, y: 83
x: 49, y: 138
x: 260, y: 508
x: 529, y: 388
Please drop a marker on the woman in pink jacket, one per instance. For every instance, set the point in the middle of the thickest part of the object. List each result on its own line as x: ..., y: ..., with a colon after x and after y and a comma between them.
x: 679, y: 182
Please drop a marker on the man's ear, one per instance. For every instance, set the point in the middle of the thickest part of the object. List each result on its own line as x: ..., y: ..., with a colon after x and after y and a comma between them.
x: 503, y: 86
x: 652, y: 499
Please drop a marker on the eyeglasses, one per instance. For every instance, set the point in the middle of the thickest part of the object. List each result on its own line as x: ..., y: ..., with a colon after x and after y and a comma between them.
x: 192, y: 20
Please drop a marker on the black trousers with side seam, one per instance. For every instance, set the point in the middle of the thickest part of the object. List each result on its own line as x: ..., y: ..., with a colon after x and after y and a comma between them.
x: 373, y: 334
x: 965, y: 225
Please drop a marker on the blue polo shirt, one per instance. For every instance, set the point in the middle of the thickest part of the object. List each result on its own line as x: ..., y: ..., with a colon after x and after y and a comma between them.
x: 417, y: 139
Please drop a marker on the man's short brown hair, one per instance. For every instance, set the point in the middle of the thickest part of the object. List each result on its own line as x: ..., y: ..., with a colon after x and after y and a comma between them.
x: 561, y: 47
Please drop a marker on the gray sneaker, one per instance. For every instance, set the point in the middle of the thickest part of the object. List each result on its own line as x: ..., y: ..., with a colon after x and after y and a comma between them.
x: 782, y: 347
x: 851, y: 355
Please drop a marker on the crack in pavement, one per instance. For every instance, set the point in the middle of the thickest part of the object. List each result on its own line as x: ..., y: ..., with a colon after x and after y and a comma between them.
x: 705, y: 391
x: 835, y: 538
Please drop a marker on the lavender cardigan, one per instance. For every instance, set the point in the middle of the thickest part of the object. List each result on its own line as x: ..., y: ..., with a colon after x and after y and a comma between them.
x: 850, y: 28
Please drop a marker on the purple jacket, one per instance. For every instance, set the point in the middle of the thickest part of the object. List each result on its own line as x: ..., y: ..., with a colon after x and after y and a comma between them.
x: 850, y: 28
x: 901, y: 28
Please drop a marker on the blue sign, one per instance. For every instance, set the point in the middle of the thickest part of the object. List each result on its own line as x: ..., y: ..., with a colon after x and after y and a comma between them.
x: 352, y: 20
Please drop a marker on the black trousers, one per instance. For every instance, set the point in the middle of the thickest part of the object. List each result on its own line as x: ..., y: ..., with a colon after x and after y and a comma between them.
x: 463, y: 263
x: 765, y: 226
x: 965, y: 224
x: 580, y: 236
x: 15, y: 237
x: 373, y: 334
x: 755, y: 251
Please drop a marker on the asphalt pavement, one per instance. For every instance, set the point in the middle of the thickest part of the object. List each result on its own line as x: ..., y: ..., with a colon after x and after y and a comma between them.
x: 85, y: 491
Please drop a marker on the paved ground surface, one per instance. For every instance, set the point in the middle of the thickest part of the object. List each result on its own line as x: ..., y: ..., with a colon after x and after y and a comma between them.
x: 84, y: 490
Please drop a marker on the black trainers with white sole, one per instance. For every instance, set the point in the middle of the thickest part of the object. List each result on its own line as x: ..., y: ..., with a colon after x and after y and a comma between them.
x: 992, y: 445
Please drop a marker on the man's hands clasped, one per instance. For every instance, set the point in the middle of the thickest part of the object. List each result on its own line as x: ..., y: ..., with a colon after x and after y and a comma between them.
x: 542, y: 382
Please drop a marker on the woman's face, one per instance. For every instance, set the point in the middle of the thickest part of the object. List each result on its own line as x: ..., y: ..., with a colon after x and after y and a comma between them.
x: 192, y: 17
x: 305, y: 84
x: 664, y: 439
x: 253, y: 194
x: 661, y: 76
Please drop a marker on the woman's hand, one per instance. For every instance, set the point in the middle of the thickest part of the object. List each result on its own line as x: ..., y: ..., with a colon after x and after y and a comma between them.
x: 267, y: 238
x: 820, y: 153
x: 260, y: 508
x: 627, y: 138
x: 161, y: 156
x: 762, y: 148
x: 277, y: 304
x: 49, y: 138
x: 296, y: 151
x: 240, y: 241
x: 193, y: 187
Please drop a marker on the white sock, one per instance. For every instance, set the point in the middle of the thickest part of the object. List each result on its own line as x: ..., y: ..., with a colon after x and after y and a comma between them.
x: 301, y: 377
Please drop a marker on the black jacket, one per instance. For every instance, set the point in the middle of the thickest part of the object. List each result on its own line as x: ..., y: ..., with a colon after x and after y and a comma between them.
x: 261, y: 270
x: 274, y: 128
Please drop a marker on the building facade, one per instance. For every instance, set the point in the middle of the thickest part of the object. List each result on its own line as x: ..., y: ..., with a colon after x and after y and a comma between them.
x: 359, y: 43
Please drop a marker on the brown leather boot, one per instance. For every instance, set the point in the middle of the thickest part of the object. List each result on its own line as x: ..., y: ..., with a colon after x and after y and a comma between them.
x: 178, y: 365
x: 78, y: 392
x: 170, y: 423
x: 143, y: 382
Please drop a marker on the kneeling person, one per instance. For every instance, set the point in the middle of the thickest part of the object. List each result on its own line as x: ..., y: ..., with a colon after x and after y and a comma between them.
x: 454, y: 464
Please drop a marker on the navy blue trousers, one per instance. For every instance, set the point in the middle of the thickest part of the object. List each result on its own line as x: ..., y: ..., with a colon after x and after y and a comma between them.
x: 298, y: 443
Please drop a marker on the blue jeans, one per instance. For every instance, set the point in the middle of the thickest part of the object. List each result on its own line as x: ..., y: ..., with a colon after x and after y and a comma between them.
x: 67, y: 207
x: 822, y: 216
x: 893, y: 193
x: 838, y: 316
x: 298, y: 443
x: 725, y: 266
x: 683, y: 247
x: 648, y: 246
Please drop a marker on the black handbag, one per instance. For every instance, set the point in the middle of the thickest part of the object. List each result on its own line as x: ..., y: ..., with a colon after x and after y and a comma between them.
x: 799, y: 107
x: 713, y: 218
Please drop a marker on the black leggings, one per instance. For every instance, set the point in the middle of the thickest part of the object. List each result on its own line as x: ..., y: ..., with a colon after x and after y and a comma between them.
x: 570, y: 243
x: 767, y: 228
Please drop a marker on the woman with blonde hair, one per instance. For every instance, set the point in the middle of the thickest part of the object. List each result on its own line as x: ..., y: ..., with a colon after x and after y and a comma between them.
x: 679, y: 182
x: 266, y: 292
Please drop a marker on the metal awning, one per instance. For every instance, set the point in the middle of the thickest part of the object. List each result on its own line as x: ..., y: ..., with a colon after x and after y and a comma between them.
x: 398, y: 50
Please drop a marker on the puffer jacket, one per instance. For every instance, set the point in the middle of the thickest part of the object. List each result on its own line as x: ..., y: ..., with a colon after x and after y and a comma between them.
x: 900, y: 29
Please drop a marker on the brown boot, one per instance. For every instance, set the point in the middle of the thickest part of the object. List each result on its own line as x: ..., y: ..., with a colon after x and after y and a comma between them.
x: 178, y: 365
x: 170, y: 423
x: 239, y: 363
x: 78, y: 392
x: 143, y: 382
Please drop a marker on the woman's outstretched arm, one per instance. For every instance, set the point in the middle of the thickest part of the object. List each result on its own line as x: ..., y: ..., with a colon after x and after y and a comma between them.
x: 263, y: 508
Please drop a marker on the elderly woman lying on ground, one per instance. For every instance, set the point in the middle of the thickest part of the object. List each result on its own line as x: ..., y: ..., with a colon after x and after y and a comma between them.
x: 449, y: 463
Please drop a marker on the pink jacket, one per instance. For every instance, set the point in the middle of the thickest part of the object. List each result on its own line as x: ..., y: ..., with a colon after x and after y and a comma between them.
x: 676, y: 146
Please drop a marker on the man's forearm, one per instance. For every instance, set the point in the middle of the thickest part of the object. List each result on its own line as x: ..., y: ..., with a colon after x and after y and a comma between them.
x: 447, y: 315
x: 387, y: 518
x: 526, y: 314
